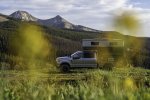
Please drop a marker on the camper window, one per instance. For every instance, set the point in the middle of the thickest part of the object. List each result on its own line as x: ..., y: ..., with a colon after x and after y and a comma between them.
x: 94, y: 43
x: 113, y: 43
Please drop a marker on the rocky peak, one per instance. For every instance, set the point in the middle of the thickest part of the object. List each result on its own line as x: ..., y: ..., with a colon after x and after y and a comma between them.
x: 23, y: 15
x: 58, y: 17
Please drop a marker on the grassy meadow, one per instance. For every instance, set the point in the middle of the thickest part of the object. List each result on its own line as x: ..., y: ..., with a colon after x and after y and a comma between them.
x: 92, y: 84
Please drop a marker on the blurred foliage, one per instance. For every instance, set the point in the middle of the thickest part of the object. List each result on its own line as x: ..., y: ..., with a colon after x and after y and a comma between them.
x: 136, y: 53
x: 127, y: 22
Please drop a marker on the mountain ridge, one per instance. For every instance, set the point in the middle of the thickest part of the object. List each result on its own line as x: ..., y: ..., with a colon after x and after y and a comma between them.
x: 57, y: 21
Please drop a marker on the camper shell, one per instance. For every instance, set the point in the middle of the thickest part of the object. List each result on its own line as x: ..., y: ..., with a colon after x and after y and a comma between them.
x: 92, y: 44
x: 108, y: 50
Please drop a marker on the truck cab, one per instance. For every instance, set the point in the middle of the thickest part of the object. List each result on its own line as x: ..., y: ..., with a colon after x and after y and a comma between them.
x: 79, y: 59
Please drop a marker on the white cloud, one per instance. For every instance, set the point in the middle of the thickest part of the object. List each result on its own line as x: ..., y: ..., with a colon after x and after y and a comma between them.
x: 113, y: 4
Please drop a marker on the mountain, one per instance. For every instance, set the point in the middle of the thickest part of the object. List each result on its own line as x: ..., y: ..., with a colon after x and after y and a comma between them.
x: 23, y: 15
x: 57, y: 21
x: 62, y: 23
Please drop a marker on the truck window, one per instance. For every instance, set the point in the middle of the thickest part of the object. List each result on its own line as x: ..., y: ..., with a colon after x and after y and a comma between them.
x: 77, y: 54
x: 95, y: 43
x: 89, y: 55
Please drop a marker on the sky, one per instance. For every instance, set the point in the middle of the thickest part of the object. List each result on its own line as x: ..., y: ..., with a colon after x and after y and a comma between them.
x: 97, y: 14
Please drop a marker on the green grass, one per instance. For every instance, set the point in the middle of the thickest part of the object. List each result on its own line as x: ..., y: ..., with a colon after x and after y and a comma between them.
x: 119, y: 84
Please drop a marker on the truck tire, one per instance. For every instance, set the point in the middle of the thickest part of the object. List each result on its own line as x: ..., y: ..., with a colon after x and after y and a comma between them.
x: 65, y: 67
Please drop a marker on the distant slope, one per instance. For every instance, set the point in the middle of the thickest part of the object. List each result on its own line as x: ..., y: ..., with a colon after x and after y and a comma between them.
x: 3, y: 18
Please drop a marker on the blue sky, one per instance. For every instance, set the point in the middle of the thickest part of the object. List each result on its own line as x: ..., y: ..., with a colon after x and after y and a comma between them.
x: 96, y: 14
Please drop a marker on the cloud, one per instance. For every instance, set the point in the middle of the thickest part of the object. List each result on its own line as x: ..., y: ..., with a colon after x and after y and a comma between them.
x: 112, y: 4
x: 63, y: 5
x: 96, y: 13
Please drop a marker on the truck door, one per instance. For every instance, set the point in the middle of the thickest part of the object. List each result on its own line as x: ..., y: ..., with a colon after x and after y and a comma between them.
x: 89, y: 59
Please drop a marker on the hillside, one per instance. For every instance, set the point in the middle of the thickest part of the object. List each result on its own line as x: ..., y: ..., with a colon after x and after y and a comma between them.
x: 65, y: 42
x: 9, y: 28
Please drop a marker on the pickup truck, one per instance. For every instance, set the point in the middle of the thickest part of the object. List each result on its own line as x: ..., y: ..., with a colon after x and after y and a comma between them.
x: 97, y: 53
x: 79, y: 59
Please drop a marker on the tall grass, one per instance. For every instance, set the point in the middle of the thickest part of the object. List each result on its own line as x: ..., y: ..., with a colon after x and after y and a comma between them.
x: 99, y: 85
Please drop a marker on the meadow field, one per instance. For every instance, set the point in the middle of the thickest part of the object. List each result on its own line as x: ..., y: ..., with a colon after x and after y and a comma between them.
x: 85, y: 84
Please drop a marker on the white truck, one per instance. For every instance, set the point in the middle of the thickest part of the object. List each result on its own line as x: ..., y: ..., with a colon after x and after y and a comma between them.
x: 97, y: 53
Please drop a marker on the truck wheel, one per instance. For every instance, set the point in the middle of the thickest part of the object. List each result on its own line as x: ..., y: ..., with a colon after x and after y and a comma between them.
x: 99, y: 67
x: 65, y: 68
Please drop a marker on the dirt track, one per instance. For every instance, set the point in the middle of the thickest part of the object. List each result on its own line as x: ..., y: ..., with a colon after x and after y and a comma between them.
x: 57, y: 76
x: 73, y: 75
